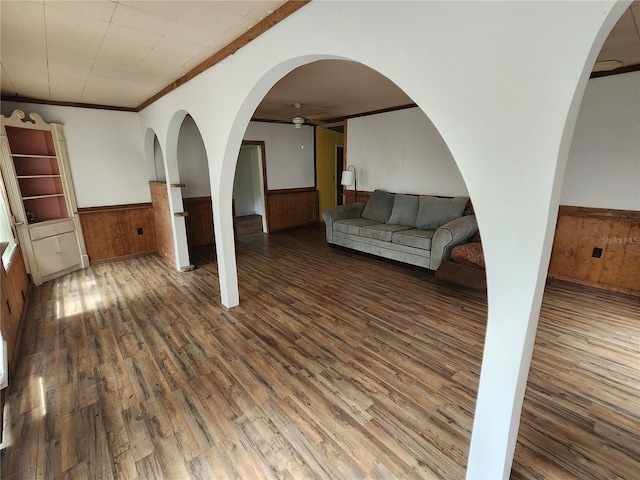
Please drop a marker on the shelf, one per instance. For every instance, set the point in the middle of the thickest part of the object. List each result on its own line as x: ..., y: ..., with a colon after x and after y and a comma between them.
x: 38, y: 176
x: 26, y: 142
x: 45, y: 207
x: 28, y: 155
x: 36, y: 165
x: 50, y: 195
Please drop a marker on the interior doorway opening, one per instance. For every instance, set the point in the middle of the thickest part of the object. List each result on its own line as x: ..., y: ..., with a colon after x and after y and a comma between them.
x: 249, y: 205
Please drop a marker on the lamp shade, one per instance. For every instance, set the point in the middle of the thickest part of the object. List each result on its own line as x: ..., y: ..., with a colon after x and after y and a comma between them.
x: 347, y: 177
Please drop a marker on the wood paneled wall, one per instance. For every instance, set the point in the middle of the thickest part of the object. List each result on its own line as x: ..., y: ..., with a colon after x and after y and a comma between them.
x: 118, y: 231
x: 348, y: 196
x: 199, y: 221
x: 162, y: 217
x: 14, y: 291
x: 580, y: 231
x: 291, y: 208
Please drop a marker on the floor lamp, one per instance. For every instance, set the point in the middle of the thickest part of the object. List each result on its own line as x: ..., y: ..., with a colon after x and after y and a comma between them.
x: 348, y: 179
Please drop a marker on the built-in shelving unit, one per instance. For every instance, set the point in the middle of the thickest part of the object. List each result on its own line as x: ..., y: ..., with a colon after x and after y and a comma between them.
x: 36, y: 170
x: 38, y: 173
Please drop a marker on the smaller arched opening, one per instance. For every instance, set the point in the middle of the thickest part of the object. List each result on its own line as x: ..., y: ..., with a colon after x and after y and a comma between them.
x: 193, y: 169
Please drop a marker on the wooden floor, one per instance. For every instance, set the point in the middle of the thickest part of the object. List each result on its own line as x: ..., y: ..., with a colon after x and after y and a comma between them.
x: 336, y: 365
x: 248, y: 225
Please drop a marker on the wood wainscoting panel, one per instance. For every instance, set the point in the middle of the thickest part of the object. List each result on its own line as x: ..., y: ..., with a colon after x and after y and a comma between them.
x: 199, y: 221
x: 291, y: 208
x: 162, y: 218
x: 348, y: 196
x: 14, y: 291
x: 597, y: 247
x: 118, y: 231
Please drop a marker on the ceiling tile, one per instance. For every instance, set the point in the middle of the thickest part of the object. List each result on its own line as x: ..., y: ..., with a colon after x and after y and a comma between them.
x: 625, y: 44
x: 262, y: 9
x: 188, y: 33
x: 131, y: 36
x: 108, y: 69
x: 168, y: 9
x: 6, y: 82
x: 11, y: 62
x: 209, y: 16
x: 26, y: 81
x: 68, y: 71
x: 140, y: 20
x: 33, y: 47
x: 96, y: 10
x: 124, y: 53
x: 22, y: 28
x: 27, y: 14
x: 240, y: 8
x: 99, y: 89
x: 170, y: 51
x: 635, y: 11
x: 66, y: 90
x: 204, y: 54
x: 65, y: 49
x: 69, y: 52
x: 85, y: 28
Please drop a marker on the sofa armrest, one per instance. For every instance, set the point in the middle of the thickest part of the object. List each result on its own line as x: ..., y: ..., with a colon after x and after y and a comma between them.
x: 341, y: 212
x: 448, y: 236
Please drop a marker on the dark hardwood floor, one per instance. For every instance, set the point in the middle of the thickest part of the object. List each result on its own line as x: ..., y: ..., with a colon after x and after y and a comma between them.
x: 335, y: 365
x: 247, y: 225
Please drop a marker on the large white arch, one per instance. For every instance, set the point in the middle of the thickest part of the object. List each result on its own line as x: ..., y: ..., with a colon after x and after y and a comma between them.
x: 501, y: 81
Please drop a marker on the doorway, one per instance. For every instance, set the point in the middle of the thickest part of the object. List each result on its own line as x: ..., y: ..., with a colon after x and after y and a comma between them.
x: 338, y: 175
x: 248, y: 190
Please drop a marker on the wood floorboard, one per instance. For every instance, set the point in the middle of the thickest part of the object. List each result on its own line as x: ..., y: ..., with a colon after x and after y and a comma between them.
x: 336, y: 365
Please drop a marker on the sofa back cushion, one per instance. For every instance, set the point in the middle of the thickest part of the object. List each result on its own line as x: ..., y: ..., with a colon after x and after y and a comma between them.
x: 434, y: 212
x: 405, y: 210
x: 379, y: 206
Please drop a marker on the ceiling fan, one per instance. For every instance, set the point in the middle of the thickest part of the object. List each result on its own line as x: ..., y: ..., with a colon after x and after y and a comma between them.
x: 313, y: 118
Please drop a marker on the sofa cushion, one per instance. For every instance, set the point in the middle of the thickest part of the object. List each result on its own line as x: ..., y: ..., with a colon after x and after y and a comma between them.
x: 414, y: 238
x: 383, y: 231
x: 352, y: 225
x: 434, y: 212
x: 405, y: 210
x: 379, y: 206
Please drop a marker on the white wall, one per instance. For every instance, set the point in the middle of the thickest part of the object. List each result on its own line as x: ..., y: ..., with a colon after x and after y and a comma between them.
x: 402, y: 151
x: 287, y: 164
x: 603, y: 169
x: 158, y: 161
x: 192, y: 161
x: 105, y: 153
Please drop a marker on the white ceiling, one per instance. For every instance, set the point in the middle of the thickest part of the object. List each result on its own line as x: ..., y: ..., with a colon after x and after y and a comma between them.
x: 120, y: 53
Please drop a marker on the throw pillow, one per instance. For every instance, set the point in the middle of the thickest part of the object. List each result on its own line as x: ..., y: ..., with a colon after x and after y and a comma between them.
x: 379, y: 206
x: 434, y: 212
x: 405, y: 210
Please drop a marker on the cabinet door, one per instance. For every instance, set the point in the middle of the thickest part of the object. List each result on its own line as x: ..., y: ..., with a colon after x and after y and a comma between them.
x: 54, y: 254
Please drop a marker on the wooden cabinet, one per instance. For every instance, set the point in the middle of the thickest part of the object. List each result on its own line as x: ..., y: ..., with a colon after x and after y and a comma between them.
x: 41, y: 194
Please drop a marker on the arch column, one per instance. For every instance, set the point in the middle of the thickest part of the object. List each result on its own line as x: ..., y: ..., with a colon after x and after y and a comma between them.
x: 510, y: 338
x: 174, y: 194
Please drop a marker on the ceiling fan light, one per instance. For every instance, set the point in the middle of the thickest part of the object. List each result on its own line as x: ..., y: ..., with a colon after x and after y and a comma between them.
x: 298, y: 121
